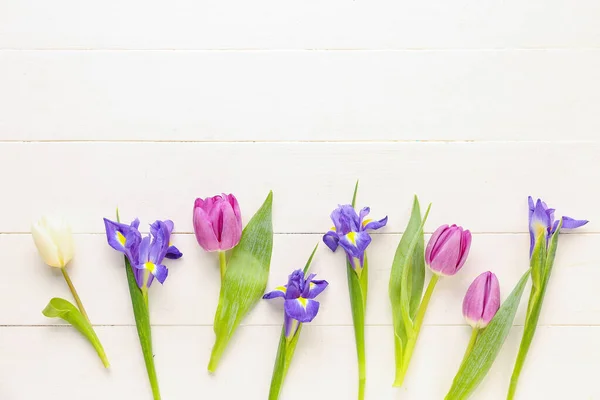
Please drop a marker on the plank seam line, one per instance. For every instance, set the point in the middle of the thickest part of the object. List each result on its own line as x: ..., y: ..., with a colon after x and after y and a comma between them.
x: 332, y: 141
x: 277, y: 325
x: 300, y: 50
x: 185, y: 233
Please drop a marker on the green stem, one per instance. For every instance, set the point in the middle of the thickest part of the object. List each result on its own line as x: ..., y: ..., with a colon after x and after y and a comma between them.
x: 531, y: 320
x: 357, y: 303
x: 222, y: 263
x: 414, y: 334
x: 74, y: 293
x: 474, y: 335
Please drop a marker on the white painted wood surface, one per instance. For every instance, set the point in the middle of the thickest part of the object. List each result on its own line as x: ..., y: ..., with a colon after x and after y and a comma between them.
x: 148, y: 104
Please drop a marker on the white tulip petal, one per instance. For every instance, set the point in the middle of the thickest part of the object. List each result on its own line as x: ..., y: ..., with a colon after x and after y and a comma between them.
x: 45, y: 245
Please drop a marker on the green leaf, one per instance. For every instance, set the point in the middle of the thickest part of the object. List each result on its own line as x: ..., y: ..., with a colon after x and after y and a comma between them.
x: 61, y: 308
x: 542, y: 260
x: 358, y: 287
x: 312, y: 255
x: 551, y: 254
x: 406, y: 285
x: 286, y: 349
x: 358, y: 300
x: 285, y: 352
x: 245, y: 279
x: 354, y: 195
x: 142, y: 323
x: 480, y: 360
x: 415, y: 263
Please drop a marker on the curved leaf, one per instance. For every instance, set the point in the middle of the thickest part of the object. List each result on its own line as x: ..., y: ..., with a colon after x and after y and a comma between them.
x: 61, y: 308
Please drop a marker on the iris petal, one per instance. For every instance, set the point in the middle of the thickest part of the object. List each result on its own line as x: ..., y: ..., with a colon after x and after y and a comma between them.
x: 278, y: 292
x: 173, y: 253
x: 376, y: 224
x: 570, y: 223
x: 301, y: 309
x: 331, y: 240
x: 316, y: 287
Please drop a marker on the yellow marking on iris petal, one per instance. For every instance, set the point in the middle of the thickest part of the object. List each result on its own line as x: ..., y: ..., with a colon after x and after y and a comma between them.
x: 282, y: 289
x: 121, y: 239
x: 150, y: 266
x: 539, y: 228
x: 303, y: 302
x: 332, y: 228
x: 311, y: 286
x: 365, y: 222
x: 352, y: 237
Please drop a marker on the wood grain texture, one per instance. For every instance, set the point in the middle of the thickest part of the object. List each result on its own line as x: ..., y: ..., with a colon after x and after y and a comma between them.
x: 483, y: 186
x: 494, y: 95
x: 190, y: 295
x: 311, y: 24
x: 146, y: 105
x: 324, y: 364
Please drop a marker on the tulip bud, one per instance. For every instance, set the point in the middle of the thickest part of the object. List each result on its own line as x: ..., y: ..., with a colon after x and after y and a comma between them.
x: 447, y: 249
x: 217, y: 222
x: 482, y: 300
x: 54, y: 241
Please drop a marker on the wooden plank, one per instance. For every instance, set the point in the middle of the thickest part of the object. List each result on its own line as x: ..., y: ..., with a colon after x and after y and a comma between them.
x: 311, y: 24
x: 483, y: 186
x: 524, y: 95
x: 324, y: 364
x: 190, y: 294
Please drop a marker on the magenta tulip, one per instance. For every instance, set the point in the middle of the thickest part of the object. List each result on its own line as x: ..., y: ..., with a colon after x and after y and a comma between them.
x: 447, y: 249
x: 482, y: 300
x: 217, y: 222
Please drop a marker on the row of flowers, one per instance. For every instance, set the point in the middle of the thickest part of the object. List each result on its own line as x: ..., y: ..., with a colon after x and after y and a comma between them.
x: 244, y: 256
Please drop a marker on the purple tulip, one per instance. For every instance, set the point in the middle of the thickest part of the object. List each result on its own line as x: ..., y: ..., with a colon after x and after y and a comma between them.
x: 482, y: 300
x: 447, y: 249
x: 217, y: 222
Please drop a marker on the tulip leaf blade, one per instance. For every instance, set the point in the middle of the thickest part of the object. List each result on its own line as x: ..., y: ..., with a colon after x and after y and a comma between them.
x: 65, y: 310
x: 245, y: 279
x: 286, y: 348
x: 407, y: 278
x: 477, y: 364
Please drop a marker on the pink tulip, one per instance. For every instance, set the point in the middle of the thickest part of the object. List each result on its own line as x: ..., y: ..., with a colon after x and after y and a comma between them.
x: 447, y: 249
x: 217, y: 222
x: 482, y: 300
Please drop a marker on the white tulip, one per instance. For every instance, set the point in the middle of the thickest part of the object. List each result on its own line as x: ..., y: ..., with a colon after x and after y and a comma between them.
x: 54, y: 241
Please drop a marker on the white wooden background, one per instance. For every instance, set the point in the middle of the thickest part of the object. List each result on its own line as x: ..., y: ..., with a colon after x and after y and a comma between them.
x: 473, y: 105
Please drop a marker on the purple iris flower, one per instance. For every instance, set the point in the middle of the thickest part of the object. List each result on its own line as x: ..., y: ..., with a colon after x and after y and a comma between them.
x: 124, y: 238
x: 350, y: 232
x: 541, y: 222
x: 144, y: 254
x: 173, y: 252
x: 299, y: 304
